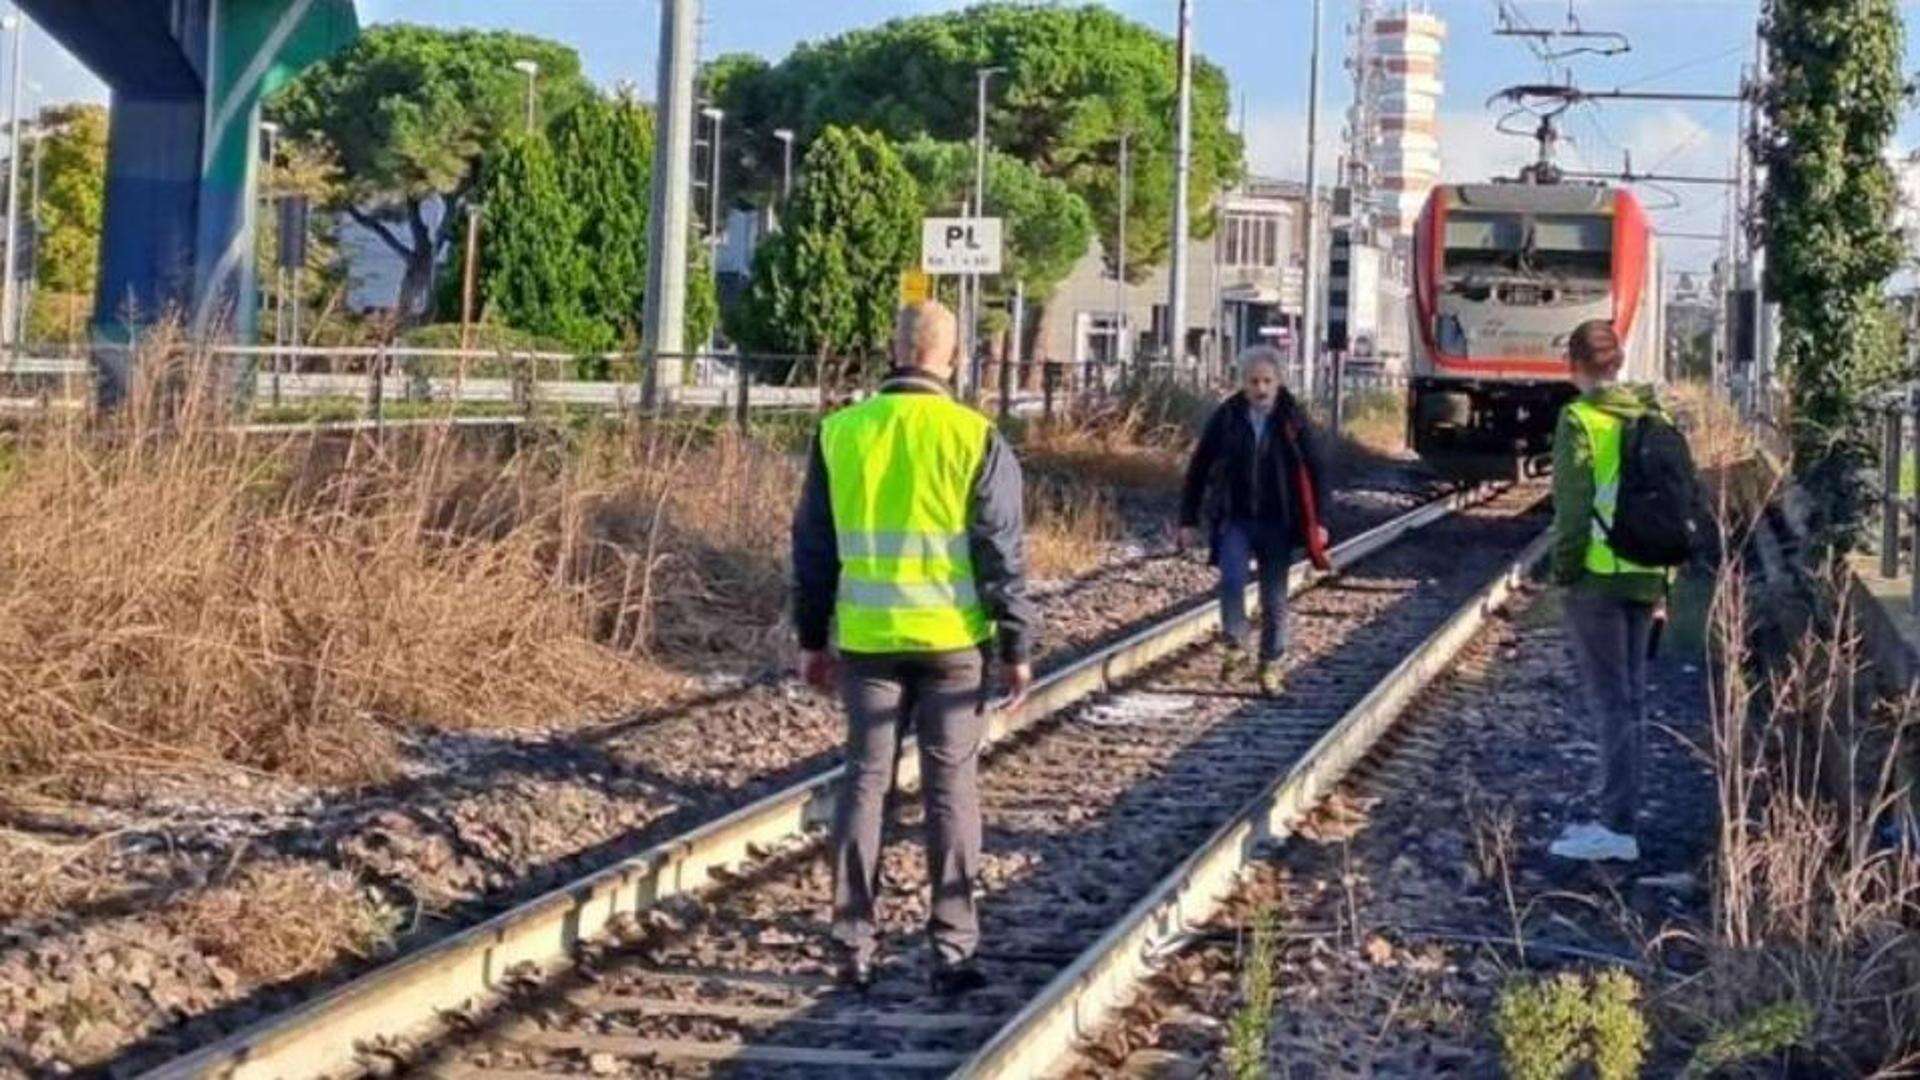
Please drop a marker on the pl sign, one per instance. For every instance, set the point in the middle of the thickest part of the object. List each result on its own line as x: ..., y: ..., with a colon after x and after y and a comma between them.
x: 960, y: 245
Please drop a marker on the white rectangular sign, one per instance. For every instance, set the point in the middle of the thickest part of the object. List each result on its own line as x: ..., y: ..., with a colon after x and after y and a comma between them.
x: 960, y: 245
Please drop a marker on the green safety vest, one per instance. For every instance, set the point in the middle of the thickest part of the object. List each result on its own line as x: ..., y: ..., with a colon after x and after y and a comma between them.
x: 1605, y: 435
x: 901, y: 468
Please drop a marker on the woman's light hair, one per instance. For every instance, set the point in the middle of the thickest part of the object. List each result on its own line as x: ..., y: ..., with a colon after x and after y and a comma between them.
x: 1256, y: 355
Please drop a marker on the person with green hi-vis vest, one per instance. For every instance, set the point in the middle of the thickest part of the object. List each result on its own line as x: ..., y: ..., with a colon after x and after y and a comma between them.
x: 1612, y: 603
x: 909, y: 554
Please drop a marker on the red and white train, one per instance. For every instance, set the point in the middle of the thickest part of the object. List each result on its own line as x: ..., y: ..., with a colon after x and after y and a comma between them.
x: 1502, y: 273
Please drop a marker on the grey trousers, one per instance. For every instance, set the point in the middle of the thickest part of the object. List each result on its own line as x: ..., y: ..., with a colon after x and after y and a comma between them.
x: 941, y: 698
x: 1610, y: 641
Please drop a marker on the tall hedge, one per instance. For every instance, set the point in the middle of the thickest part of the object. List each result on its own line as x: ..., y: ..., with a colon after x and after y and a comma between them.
x: 829, y: 281
x: 565, y: 254
x: 1832, y: 102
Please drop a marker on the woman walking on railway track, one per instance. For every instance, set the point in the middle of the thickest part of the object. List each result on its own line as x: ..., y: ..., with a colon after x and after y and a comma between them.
x: 1257, y: 482
x: 1611, y: 602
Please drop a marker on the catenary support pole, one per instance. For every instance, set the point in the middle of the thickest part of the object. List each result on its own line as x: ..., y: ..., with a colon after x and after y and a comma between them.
x: 1120, y: 255
x: 10, y: 296
x: 1310, y: 321
x: 1182, y: 180
x: 663, y: 333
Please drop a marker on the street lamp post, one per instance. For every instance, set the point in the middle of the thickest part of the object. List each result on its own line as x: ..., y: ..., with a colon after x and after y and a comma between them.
x: 785, y: 135
x: 531, y: 70
x: 10, y: 294
x: 972, y: 328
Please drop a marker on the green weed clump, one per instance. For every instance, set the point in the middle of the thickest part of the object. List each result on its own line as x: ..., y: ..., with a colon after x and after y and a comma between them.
x: 1766, y: 1032
x: 1247, y: 1032
x: 1549, y: 1027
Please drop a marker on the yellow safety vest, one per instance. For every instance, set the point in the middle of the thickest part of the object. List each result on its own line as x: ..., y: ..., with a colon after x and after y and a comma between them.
x: 1605, y: 436
x: 901, y: 468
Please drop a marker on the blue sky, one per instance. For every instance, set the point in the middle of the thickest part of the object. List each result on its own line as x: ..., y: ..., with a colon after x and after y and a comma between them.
x: 1692, y: 45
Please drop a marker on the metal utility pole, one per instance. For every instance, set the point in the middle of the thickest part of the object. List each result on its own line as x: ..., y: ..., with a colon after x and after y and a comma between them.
x: 531, y: 70
x: 1182, y: 179
x: 469, y: 277
x: 716, y: 226
x: 270, y: 131
x: 663, y: 333
x: 1756, y: 178
x: 717, y: 118
x: 785, y: 136
x: 10, y: 296
x: 1120, y: 255
x: 1014, y: 356
x: 30, y: 274
x: 970, y: 332
x: 1310, y: 319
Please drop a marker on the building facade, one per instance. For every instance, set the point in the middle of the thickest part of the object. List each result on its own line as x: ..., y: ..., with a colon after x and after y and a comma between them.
x: 1244, y: 285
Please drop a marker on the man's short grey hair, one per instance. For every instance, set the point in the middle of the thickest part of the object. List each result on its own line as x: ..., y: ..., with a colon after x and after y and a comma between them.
x: 924, y: 332
x: 1255, y: 355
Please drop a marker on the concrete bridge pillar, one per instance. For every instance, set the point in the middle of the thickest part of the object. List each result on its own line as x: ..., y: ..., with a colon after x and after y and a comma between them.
x: 187, y: 78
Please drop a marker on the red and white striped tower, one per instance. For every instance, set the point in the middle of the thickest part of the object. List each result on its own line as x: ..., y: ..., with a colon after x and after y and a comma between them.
x: 1406, y: 48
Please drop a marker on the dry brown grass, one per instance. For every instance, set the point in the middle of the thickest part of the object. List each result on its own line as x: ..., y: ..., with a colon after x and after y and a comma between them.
x: 175, y: 597
x: 1816, y: 881
x: 1719, y: 437
x: 278, y: 921
x: 1070, y: 527
x: 1137, y: 440
x: 1376, y: 421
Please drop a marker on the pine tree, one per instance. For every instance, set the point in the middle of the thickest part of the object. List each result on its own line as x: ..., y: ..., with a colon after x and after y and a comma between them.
x: 564, y: 254
x: 535, y: 268
x: 828, y: 282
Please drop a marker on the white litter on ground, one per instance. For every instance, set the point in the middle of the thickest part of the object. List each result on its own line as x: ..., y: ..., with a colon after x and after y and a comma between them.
x: 1138, y: 708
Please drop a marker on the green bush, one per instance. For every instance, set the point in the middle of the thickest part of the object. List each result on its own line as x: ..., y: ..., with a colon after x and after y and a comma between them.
x: 1619, y: 1030
x: 1541, y: 1026
x: 1549, y: 1027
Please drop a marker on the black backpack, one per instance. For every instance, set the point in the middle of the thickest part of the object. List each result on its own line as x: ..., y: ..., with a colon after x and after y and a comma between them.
x: 1656, y: 520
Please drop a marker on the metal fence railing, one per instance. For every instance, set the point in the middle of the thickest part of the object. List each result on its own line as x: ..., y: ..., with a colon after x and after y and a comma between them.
x: 1898, y: 504
x: 374, y: 381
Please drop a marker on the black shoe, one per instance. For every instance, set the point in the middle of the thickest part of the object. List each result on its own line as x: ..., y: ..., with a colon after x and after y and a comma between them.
x: 856, y: 972
x: 956, y: 979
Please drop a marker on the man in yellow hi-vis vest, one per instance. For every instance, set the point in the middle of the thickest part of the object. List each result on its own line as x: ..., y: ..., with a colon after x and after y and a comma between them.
x: 909, y: 545
x: 1611, y: 603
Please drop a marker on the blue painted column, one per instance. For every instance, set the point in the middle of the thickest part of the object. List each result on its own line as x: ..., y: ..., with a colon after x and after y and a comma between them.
x: 187, y: 78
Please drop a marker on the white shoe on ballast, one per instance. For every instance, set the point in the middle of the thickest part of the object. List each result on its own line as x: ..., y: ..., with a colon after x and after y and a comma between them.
x: 1591, y: 842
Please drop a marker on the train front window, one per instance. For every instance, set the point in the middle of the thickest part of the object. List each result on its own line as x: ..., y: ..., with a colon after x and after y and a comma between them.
x: 1567, y: 247
x: 1574, y: 245
x: 1483, y: 239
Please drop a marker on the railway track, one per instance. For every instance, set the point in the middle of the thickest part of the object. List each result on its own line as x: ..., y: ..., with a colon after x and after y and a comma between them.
x: 1108, y: 821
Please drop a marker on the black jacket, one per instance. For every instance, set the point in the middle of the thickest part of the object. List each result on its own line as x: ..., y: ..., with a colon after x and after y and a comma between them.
x: 996, y: 531
x: 1245, y: 489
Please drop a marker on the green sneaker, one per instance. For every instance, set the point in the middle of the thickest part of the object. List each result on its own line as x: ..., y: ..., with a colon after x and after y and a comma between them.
x: 1271, y: 682
x: 1233, y: 663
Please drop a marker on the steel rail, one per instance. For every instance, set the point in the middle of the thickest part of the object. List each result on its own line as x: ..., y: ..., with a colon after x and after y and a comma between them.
x: 322, y: 1037
x: 1089, y: 992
